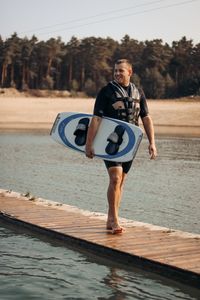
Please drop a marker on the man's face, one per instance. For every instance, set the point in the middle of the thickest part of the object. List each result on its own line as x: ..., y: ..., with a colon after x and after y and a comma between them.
x: 122, y: 74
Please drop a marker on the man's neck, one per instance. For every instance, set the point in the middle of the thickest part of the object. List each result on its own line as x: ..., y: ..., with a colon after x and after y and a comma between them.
x: 124, y: 85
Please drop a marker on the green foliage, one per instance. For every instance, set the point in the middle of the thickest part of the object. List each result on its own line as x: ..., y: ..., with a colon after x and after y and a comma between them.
x: 47, y: 83
x: 154, y: 83
x: 163, y: 71
x: 75, y: 85
x: 90, y: 87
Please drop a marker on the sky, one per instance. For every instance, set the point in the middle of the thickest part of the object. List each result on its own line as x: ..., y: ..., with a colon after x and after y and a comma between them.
x: 142, y: 20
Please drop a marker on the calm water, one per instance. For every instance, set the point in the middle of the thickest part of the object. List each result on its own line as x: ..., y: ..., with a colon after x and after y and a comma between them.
x: 164, y: 192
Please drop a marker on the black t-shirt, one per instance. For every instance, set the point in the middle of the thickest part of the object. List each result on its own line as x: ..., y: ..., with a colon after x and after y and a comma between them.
x: 106, y: 98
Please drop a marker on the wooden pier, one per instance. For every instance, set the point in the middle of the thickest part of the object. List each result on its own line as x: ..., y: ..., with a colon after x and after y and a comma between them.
x: 173, y: 254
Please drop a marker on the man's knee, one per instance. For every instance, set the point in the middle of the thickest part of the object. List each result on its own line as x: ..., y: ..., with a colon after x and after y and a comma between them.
x: 116, y: 178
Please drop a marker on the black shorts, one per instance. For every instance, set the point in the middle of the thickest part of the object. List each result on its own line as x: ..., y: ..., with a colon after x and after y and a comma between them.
x: 125, y: 165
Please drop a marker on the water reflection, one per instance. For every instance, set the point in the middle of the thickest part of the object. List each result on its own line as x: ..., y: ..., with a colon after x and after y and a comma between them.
x: 115, y: 281
x: 36, y: 267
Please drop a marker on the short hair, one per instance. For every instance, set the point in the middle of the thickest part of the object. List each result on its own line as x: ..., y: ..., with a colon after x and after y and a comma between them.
x: 124, y: 61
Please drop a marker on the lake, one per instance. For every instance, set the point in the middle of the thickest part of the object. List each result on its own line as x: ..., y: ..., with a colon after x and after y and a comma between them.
x: 164, y: 192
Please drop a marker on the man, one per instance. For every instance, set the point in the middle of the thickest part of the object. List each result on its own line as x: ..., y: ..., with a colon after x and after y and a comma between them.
x: 119, y: 99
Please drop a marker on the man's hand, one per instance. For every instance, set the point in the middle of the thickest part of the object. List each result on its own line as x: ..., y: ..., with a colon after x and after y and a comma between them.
x: 152, y: 151
x: 92, y: 131
x: 89, y: 151
x: 149, y: 129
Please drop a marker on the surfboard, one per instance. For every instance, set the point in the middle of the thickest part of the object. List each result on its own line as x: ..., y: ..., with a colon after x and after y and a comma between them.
x: 115, y: 140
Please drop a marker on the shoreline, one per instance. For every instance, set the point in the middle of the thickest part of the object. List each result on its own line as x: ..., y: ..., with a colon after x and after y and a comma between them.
x: 171, y: 117
x: 160, y: 130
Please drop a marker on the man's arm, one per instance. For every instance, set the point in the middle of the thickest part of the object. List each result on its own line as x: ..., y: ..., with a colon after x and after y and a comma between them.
x: 149, y: 129
x: 92, y: 131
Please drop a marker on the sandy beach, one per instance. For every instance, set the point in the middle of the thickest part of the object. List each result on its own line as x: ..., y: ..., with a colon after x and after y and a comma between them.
x: 171, y: 117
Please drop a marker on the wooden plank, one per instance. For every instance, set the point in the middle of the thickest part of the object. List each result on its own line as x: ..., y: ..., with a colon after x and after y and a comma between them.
x: 156, y: 248
x: 163, y: 251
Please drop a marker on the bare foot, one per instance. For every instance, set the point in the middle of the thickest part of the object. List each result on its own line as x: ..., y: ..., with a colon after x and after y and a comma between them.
x: 114, y: 226
x: 109, y: 224
x: 116, y: 229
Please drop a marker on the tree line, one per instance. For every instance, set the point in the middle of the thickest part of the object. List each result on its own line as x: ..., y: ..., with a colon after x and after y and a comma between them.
x: 160, y: 69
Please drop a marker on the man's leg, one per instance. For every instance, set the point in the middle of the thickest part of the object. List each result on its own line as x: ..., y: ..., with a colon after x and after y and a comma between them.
x: 114, y: 194
x: 124, y: 175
